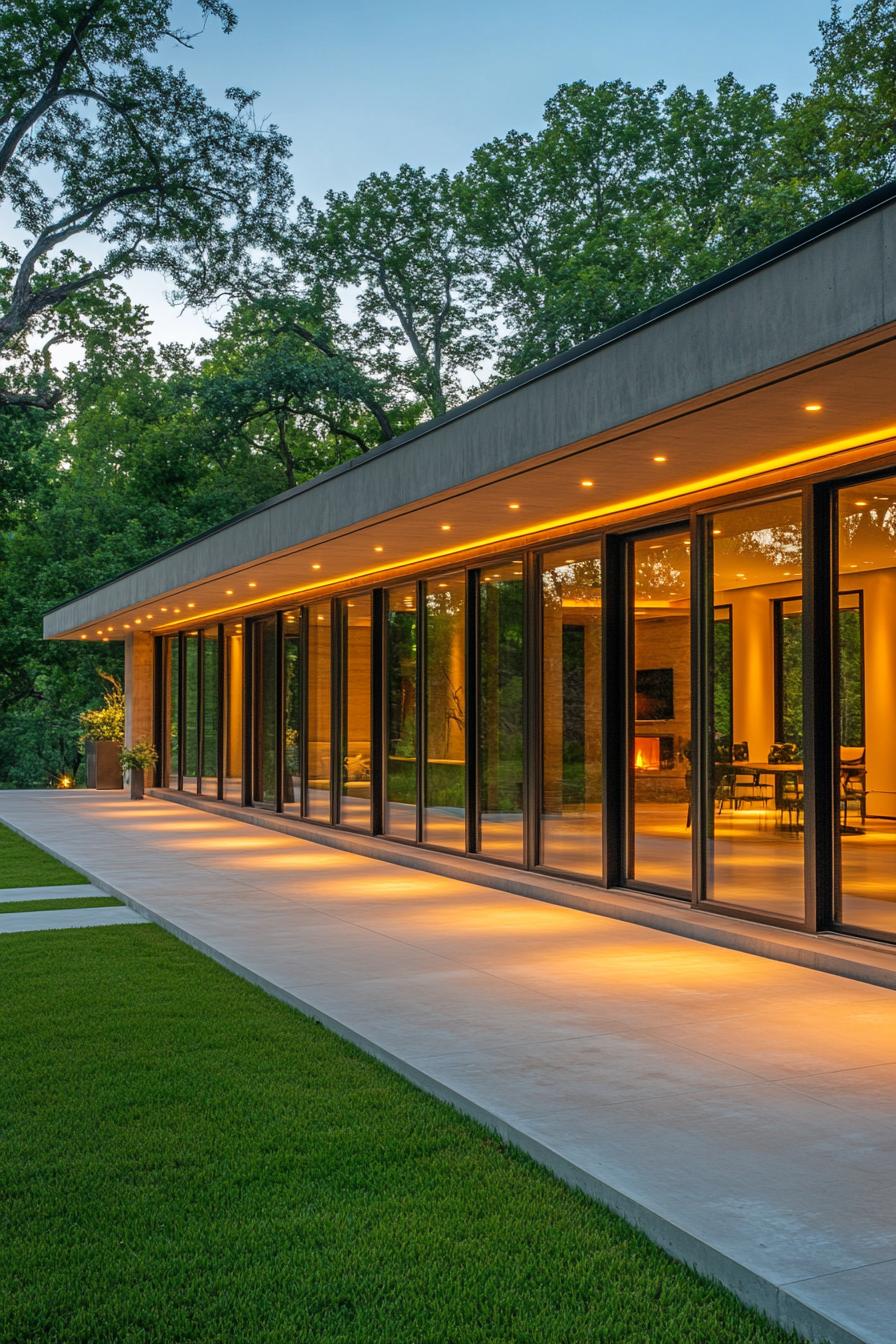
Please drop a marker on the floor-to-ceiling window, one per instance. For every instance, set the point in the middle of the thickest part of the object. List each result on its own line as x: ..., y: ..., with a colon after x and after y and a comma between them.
x: 319, y: 720
x: 233, y: 712
x: 501, y: 710
x: 191, y: 710
x: 755, y: 789
x: 864, y: 721
x: 444, y: 819
x: 171, y: 768
x: 659, y: 747
x: 265, y: 682
x: 572, y: 750
x: 293, y: 713
x: 210, y: 707
x: 355, y: 699
x: 400, y: 773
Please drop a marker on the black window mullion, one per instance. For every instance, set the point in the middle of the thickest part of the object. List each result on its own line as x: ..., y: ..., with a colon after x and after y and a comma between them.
x: 820, y: 607
x: 337, y: 617
x: 280, y: 716
x: 181, y: 700
x: 472, y: 712
x: 614, y: 707
x: 219, y: 714
x: 422, y: 708
x: 533, y: 701
x: 377, y: 715
x: 248, y: 698
x: 702, y: 740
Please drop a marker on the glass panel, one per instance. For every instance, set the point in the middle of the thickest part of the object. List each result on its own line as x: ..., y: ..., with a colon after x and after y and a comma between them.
x: 191, y: 711
x: 756, y: 792
x: 572, y: 752
x: 264, y: 639
x: 659, y: 754
x: 866, y: 739
x: 357, y: 669
x: 444, y: 784
x: 233, y: 713
x: 319, y: 747
x: 501, y: 709
x: 400, y: 811
x: 210, y: 713
x: 172, y: 645
x: 292, y: 712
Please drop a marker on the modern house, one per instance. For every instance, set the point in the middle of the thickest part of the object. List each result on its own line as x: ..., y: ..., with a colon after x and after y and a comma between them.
x: 628, y: 620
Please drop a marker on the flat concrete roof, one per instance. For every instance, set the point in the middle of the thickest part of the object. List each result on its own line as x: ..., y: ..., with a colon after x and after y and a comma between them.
x: 822, y: 288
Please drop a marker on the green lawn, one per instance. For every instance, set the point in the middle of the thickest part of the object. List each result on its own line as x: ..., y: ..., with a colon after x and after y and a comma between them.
x: 24, y: 865
x: 184, y: 1158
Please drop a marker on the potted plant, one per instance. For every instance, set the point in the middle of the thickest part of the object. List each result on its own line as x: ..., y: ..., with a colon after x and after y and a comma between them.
x: 101, y: 737
x: 136, y: 760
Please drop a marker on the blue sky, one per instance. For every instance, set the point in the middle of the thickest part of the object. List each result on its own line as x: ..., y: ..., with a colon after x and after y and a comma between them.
x: 362, y: 87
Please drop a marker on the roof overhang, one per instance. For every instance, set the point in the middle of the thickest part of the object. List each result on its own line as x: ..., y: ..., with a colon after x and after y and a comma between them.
x: 697, y: 397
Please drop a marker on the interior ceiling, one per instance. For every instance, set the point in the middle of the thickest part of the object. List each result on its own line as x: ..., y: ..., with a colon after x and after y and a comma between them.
x: 765, y: 429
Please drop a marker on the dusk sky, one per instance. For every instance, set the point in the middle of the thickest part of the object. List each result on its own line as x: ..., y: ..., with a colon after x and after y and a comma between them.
x: 362, y: 87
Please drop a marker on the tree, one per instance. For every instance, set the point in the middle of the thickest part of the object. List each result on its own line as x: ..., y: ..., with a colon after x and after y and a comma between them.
x: 841, y: 135
x: 274, y: 378
x: 399, y: 245
x: 99, y: 143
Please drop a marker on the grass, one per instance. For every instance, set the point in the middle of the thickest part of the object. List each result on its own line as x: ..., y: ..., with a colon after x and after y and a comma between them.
x: 58, y: 903
x: 24, y: 865
x: 186, y: 1159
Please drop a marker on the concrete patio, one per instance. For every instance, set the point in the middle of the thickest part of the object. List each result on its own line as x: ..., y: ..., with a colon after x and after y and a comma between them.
x: 742, y: 1111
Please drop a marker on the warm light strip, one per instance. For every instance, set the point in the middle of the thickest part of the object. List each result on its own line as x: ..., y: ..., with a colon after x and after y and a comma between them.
x: 595, y: 517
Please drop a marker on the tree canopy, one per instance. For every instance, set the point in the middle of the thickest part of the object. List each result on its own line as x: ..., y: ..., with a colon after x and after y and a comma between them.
x: 339, y: 324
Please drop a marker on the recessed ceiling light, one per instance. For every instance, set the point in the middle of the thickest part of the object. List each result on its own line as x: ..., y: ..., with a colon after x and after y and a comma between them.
x: 177, y: 611
x: 740, y: 576
x: 377, y: 548
x: 163, y: 608
x: 191, y: 604
x: 320, y: 618
x: 252, y: 583
x: 443, y: 585
x: 83, y: 636
x: 812, y: 406
x: 587, y: 484
x: 105, y: 639
x: 99, y: 632
x: 861, y: 503
x: 513, y: 506
x: 138, y: 620
x: 446, y: 527
x: 717, y: 531
x: 854, y: 565
x: 228, y: 592
x: 660, y: 457
x: 315, y: 566
x: 149, y: 615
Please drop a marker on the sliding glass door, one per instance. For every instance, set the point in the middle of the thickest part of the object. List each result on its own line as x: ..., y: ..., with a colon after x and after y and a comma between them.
x: 864, y: 724
x: 755, y: 783
x: 320, y: 749
x: 659, y: 753
x: 571, y: 738
x: 293, y: 712
x: 501, y: 664
x: 400, y: 772
x: 444, y: 814
x: 355, y: 746
x: 266, y: 725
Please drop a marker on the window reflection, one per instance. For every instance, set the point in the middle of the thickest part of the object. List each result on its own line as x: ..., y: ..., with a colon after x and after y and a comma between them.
x: 660, y: 749
x: 210, y: 713
x: 865, y: 746
x: 445, y: 800
x: 357, y: 667
x: 501, y: 711
x: 319, y: 744
x: 191, y: 712
x: 755, y: 794
x: 572, y: 755
x: 292, y: 711
x: 400, y: 811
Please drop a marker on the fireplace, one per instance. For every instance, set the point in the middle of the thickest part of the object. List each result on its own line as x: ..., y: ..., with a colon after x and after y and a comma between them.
x: 653, y: 752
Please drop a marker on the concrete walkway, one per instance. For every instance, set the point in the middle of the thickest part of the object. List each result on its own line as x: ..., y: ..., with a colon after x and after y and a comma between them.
x: 70, y: 892
x: 741, y: 1111
x: 35, y: 921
